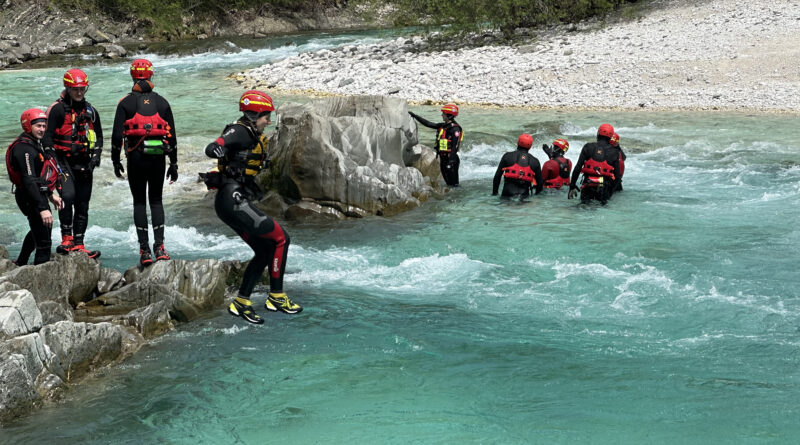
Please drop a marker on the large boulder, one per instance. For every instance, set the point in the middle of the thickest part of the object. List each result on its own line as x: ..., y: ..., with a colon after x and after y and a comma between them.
x: 58, y: 285
x: 186, y: 289
x: 29, y: 372
x: 19, y: 314
x: 347, y: 157
x: 202, y: 281
x: 81, y: 347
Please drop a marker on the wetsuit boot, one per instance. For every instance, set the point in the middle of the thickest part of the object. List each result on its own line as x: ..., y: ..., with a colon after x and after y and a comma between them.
x: 160, y: 252
x: 280, y: 302
x: 145, y: 258
x: 90, y: 253
x: 242, y: 307
x: 66, y: 245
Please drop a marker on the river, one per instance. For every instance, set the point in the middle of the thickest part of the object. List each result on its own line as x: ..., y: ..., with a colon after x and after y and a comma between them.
x: 669, y: 315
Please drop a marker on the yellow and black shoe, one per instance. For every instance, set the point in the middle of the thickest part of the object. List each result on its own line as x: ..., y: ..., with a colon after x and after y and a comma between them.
x: 242, y: 307
x: 280, y: 302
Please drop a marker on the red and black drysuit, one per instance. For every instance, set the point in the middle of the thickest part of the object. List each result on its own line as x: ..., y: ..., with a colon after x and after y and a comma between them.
x: 555, y: 172
x: 235, y: 192
x: 34, y: 178
x: 521, y: 173
x: 599, y: 165
x: 448, y: 142
x: 145, y: 127
x: 67, y: 125
x: 622, y: 158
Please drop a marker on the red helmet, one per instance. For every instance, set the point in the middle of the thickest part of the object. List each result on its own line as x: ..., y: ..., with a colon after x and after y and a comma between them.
x: 76, y: 78
x: 525, y: 141
x: 254, y: 100
x: 614, y: 140
x: 30, y: 117
x: 451, y: 109
x: 561, y: 144
x: 606, y: 130
x: 141, y: 69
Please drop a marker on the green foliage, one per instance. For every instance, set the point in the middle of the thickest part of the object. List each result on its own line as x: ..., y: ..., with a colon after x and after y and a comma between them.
x: 505, y: 15
x: 166, y: 16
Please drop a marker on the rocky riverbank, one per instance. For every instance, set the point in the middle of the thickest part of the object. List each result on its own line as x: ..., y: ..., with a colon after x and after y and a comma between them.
x: 29, y: 31
x: 715, y: 55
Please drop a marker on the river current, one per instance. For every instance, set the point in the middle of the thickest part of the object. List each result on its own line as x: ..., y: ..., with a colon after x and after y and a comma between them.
x: 670, y: 315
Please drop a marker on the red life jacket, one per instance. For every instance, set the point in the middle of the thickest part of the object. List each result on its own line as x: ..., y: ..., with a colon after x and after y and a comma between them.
x: 72, y: 137
x: 596, y: 172
x: 146, y: 124
x: 48, y: 174
x: 563, y: 174
x: 520, y: 173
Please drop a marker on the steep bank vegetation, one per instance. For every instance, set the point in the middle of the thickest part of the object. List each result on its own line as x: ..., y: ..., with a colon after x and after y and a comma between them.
x: 473, y: 15
x: 183, y: 17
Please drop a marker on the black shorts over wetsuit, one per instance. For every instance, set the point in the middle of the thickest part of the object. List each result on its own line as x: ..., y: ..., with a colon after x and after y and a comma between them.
x: 234, y: 206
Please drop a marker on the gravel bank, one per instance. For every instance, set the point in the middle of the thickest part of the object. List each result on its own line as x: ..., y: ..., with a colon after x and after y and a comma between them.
x: 716, y: 55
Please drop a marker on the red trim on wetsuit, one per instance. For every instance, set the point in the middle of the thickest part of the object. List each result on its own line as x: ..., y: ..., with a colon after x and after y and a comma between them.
x: 278, y: 235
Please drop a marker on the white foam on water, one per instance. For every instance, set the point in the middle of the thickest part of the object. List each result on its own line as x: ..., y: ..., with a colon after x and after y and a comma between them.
x: 180, y: 240
x: 436, y: 274
x: 762, y: 303
x: 481, y: 160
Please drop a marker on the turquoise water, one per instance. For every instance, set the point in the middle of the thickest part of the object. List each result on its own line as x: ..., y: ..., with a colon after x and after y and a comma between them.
x: 668, y: 316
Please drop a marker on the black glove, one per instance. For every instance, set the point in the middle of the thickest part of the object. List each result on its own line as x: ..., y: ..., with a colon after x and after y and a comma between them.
x: 573, y: 192
x: 118, y: 170
x: 94, y: 161
x: 220, y: 151
x: 172, y: 172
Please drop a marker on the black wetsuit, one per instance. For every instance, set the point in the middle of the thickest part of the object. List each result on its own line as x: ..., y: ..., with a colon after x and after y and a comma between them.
x: 449, y: 161
x: 599, y: 151
x: 27, y: 159
x: 234, y: 206
x: 516, y: 187
x: 76, y: 180
x: 146, y: 171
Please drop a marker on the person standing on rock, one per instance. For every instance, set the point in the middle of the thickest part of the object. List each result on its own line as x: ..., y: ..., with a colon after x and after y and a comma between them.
x: 75, y: 133
x: 622, y: 157
x: 556, y: 170
x: 448, y: 141
x: 241, y: 153
x: 599, y: 164
x: 144, y: 125
x: 34, y: 173
x: 520, y: 171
